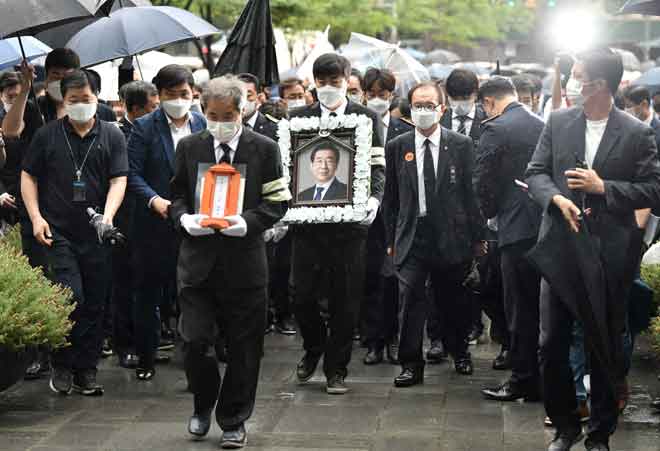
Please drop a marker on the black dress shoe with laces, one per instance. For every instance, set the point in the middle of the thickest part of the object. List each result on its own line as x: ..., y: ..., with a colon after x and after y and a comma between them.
x: 596, y: 445
x: 307, y: 367
x: 464, y: 366
x: 409, y: 377
x: 436, y: 352
x: 393, y: 353
x: 566, y: 438
x: 509, y: 391
x: 84, y: 382
x: 336, y: 385
x: 234, y: 438
x: 503, y: 360
x: 285, y: 326
x: 374, y: 356
x: 200, y: 424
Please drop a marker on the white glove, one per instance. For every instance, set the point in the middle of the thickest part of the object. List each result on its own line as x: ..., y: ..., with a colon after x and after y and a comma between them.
x: 191, y: 223
x: 279, y: 233
x: 268, y: 235
x: 372, y: 211
x: 237, y: 227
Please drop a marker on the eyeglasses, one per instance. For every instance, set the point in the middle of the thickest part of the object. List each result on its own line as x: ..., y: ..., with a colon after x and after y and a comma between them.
x: 426, y: 107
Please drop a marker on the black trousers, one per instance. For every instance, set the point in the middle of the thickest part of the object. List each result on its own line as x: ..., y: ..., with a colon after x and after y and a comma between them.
x: 338, y: 250
x: 241, y: 315
x: 491, y: 294
x: 84, y: 267
x: 122, y: 300
x: 522, y: 286
x: 557, y: 377
x: 279, y: 267
x: 35, y: 252
x: 448, y: 291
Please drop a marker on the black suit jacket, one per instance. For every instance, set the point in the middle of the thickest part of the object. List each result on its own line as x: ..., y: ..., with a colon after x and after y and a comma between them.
x: 655, y: 125
x: 197, y: 255
x: 397, y: 127
x: 627, y: 162
x: 475, y: 132
x: 506, y: 145
x: 336, y: 191
x: 458, y: 222
x: 265, y: 126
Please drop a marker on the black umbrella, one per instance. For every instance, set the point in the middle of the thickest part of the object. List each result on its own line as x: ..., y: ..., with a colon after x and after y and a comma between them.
x: 251, y: 45
x: 571, y: 263
x: 60, y: 35
x: 648, y: 7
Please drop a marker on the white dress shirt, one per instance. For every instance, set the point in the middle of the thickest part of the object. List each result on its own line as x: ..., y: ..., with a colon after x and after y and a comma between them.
x: 233, y: 145
x: 339, y: 111
x: 253, y: 119
x: 386, y: 125
x: 593, y: 136
x: 178, y: 133
x: 420, y: 149
x: 456, y: 123
x: 325, y: 187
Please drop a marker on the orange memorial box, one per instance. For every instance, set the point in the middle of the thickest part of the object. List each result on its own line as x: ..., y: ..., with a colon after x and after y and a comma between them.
x: 220, y: 195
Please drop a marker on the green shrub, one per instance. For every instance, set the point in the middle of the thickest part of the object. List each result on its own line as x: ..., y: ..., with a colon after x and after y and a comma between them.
x: 654, y: 334
x: 33, y: 311
x: 651, y: 275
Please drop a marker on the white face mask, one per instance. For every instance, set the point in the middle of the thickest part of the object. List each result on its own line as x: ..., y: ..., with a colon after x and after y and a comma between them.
x: 177, y: 108
x: 378, y: 105
x: 461, y: 107
x: 330, y: 96
x: 424, y: 120
x: 357, y: 98
x: 295, y: 103
x: 249, y: 108
x: 574, y: 92
x: 222, y: 131
x: 54, y: 91
x: 80, y: 112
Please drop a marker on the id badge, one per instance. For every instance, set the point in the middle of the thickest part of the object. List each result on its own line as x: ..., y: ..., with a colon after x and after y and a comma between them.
x: 79, y: 191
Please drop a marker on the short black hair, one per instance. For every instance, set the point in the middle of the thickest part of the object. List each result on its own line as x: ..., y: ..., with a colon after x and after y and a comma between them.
x: 431, y: 84
x: 637, y: 94
x: 603, y: 63
x: 290, y: 83
x: 498, y: 87
x: 94, y: 79
x: 384, y: 77
x: 522, y: 83
x: 357, y: 74
x: 325, y: 147
x: 63, y: 58
x: 75, y: 80
x: 9, y: 80
x: 252, y: 79
x: 331, y: 65
x: 536, y: 82
x: 137, y: 93
x: 461, y: 83
x: 173, y: 75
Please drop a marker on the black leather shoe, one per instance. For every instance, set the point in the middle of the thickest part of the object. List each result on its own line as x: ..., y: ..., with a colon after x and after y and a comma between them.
x: 510, y: 392
x: 127, y: 360
x: 234, y: 439
x: 374, y: 356
x: 162, y: 357
x: 409, y: 377
x: 656, y: 404
x: 436, y: 352
x: 464, y: 366
x: 307, y: 366
x: 565, y: 439
x: 503, y: 360
x: 336, y: 385
x: 285, y: 326
x: 200, y: 424
x: 393, y: 353
x: 596, y: 445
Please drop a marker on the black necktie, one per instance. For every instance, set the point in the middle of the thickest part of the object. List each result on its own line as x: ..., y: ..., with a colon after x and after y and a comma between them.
x: 332, y: 114
x: 429, y: 175
x: 462, y: 129
x: 226, y: 156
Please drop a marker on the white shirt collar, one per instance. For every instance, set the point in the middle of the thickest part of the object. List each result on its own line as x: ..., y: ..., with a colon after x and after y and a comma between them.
x: 386, y: 120
x: 327, y: 184
x: 470, y: 115
x: 339, y: 111
x: 171, y: 123
x: 434, y: 138
x: 253, y: 119
x: 233, y: 143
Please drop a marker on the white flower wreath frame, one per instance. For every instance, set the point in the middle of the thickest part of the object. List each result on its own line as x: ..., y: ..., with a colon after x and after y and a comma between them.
x: 362, y: 167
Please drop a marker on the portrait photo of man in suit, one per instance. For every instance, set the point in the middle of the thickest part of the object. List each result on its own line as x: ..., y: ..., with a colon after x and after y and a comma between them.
x: 325, y: 172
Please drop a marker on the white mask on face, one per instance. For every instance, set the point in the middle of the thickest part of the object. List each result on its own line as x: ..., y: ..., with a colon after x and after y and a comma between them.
x: 357, y: 98
x: 378, y: 105
x: 424, y: 120
x: 330, y: 96
x: 461, y: 107
x: 222, y: 131
x: 176, y: 108
x: 80, y: 112
x: 249, y: 108
x: 295, y: 103
x: 574, y: 92
x: 54, y: 91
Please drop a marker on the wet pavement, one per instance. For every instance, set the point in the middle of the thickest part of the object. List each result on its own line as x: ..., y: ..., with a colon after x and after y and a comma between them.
x: 447, y: 413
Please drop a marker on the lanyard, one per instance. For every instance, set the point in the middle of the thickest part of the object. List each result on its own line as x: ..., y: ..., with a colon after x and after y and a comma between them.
x: 73, y: 157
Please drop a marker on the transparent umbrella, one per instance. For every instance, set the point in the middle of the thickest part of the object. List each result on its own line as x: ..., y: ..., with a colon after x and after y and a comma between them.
x: 364, y: 52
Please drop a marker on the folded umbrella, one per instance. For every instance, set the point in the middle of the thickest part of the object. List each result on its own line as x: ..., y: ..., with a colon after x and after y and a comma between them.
x: 648, y: 7
x: 11, y: 55
x: 364, y: 52
x: 131, y: 31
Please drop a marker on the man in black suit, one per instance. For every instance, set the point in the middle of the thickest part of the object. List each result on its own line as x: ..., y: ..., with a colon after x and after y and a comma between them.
x: 380, y: 309
x: 507, y: 143
x: 264, y: 125
x: 324, y: 162
x: 638, y: 104
x: 597, y: 161
x: 434, y: 229
x: 212, y: 294
x: 335, y: 248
